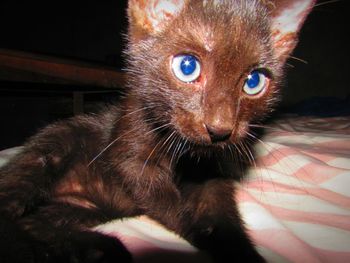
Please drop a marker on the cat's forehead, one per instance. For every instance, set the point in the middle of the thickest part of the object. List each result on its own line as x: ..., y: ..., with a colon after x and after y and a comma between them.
x: 221, y: 23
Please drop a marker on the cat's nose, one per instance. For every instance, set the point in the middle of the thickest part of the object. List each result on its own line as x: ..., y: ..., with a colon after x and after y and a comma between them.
x: 218, y: 134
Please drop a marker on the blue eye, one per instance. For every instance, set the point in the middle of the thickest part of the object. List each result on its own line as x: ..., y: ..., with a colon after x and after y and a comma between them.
x: 186, y: 68
x: 255, y: 83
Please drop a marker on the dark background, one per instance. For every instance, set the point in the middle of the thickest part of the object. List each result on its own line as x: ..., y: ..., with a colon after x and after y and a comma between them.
x: 93, y: 31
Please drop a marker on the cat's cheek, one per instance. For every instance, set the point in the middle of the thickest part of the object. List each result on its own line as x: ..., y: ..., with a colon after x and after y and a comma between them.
x: 190, y: 88
x: 190, y: 126
x: 259, y: 105
x: 242, y: 130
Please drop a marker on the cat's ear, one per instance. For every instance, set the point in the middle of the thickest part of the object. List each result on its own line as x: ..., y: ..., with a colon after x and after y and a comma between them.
x: 147, y: 17
x: 287, y: 18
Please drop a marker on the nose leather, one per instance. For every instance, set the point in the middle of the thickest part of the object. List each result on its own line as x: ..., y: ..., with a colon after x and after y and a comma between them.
x: 218, y: 134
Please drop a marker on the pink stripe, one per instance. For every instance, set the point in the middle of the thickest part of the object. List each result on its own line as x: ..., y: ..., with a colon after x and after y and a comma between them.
x: 330, y: 196
x: 265, y: 185
x: 244, y: 196
x: 339, y: 221
x: 285, y: 244
x: 323, y: 155
x: 275, y: 155
x: 293, y: 249
x: 334, y: 256
x: 340, y: 146
x: 327, y: 219
x: 320, y: 193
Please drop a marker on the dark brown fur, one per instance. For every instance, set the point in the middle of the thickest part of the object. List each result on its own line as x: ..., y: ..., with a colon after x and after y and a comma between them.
x: 151, y: 153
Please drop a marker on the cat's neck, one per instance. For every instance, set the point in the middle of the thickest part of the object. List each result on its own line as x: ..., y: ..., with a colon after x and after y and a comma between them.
x: 136, y: 135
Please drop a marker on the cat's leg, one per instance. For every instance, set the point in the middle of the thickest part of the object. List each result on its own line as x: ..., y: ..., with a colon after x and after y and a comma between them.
x: 17, y: 246
x: 50, y: 233
x: 30, y: 181
x: 209, y: 220
x: 205, y: 213
x: 60, y: 233
x: 214, y: 223
x: 27, y: 180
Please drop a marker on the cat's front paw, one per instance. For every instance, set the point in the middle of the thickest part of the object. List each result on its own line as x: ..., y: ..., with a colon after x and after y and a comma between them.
x: 91, y: 247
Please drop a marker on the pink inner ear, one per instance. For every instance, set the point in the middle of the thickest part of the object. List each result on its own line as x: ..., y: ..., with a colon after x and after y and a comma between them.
x: 290, y: 19
x: 286, y: 24
x: 157, y: 12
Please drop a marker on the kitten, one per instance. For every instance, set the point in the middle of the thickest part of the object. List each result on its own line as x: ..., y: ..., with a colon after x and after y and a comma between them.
x: 199, y: 72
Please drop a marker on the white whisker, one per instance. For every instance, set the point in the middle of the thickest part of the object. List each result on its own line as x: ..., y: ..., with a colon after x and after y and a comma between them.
x: 327, y: 2
x: 109, y: 145
x: 155, y: 147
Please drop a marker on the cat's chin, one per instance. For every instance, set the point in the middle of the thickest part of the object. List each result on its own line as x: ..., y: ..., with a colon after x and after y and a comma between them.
x: 204, y: 146
x: 212, y: 147
x: 208, y: 150
x: 207, y: 143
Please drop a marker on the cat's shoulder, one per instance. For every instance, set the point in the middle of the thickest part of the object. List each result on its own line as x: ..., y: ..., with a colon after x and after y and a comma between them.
x: 92, y: 127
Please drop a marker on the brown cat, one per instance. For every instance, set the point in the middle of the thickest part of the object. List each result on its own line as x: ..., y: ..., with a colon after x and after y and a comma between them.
x: 199, y: 73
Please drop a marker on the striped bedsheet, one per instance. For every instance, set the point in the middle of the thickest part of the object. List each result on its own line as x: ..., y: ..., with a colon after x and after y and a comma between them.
x: 295, y: 201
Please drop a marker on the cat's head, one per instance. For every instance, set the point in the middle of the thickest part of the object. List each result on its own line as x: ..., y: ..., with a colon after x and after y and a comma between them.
x: 209, y: 68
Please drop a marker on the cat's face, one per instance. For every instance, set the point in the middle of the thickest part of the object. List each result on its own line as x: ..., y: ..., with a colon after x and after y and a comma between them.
x: 208, y: 68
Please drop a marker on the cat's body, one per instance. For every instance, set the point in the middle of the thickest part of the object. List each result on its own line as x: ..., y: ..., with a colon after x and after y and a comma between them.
x: 168, y: 149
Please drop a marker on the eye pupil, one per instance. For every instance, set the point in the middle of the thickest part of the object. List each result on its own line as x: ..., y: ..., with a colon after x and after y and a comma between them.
x: 188, y: 65
x: 253, y: 80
